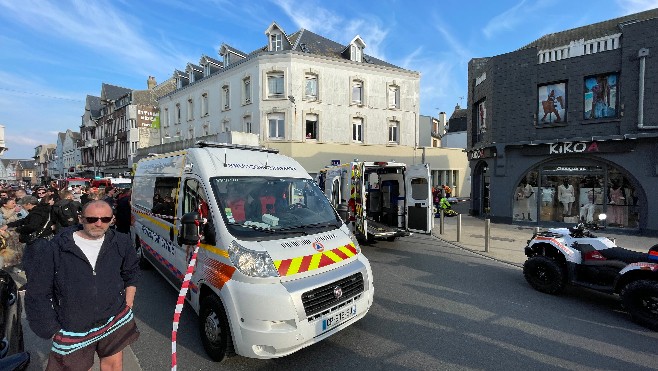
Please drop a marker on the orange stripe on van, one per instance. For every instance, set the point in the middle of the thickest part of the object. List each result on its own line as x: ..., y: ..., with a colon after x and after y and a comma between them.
x: 217, y: 273
x: 288, y: 267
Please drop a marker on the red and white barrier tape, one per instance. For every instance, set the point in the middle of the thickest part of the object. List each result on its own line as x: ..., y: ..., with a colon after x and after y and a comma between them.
x: 181, y: 302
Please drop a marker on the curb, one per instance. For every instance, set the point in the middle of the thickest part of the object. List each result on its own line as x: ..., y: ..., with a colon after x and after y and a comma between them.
x: 476, y: 252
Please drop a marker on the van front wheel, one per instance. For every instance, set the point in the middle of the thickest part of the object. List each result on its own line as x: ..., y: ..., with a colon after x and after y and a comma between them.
x: 214, y: 329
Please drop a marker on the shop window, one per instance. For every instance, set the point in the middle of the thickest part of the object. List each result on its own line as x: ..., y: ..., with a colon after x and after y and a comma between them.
x: 600, y: 98
x: 571, y: 194
x: 552, y: 107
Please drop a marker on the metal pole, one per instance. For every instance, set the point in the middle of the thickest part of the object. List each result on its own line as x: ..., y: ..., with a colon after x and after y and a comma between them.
x: 487, y: 234
x: 459, y: 227
x: 441, y: 222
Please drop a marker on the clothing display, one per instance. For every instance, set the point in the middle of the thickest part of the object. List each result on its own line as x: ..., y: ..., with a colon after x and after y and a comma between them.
x: 565, y: 194
x: 617, y: 208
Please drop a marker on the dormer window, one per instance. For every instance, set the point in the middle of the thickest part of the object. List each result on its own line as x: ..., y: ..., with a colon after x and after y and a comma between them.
x: 191, y: 76
x: 227, y: 59
x: 179, y: 83
x: 206, y: 70
x: 276, y: 42
x: 355, y: 49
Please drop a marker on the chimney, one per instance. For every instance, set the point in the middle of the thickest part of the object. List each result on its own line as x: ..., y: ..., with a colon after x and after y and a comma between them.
x: 150, y: 83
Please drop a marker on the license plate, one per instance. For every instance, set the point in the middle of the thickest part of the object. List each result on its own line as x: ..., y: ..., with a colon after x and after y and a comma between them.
x: 336, y: 319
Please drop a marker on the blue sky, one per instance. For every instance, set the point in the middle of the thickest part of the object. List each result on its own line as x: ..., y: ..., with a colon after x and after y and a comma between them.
x: 55, y: 53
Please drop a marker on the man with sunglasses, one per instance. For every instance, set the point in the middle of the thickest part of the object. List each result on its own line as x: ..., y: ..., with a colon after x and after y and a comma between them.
x: 83, y: 292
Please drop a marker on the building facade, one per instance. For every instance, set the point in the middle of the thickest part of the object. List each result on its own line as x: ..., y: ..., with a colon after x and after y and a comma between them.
x: 314, y: 99
x: 111, y: 127
x: 565, y: 129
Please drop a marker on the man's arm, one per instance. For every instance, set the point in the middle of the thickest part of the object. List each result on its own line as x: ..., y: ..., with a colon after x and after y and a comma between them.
x: 39, y: 296
x: 130, y: 295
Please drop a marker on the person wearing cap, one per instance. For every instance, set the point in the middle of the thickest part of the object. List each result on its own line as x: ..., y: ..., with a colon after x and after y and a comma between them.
x: 36, y: 225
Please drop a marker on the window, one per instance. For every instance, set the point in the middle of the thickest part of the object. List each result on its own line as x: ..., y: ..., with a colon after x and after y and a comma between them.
x: 227, y: 59
x: 311, y: 87
x: 276, y: 126
x: 276, y: 42
x: 177, y: 113
x: 206, y: 69
x: 190, y: 110
x: 195, y: 199
x: 247, y: 124
x: 162, y: 201
x: 552, y: 107
x: 357, y: 129
x: 165, y: 118
x: 356, y: 53
x: 246, y: 90
x: 226, y: 98
x: 204, y: 104
x: 482, y: 117
x: 357, y: 92
x: 600, y: 96
x: 275, y: 85
x: 226, y: 125
x: 394, y: 132
x: 311, y: 126
x: 191, y: 76
x: 393, y: 96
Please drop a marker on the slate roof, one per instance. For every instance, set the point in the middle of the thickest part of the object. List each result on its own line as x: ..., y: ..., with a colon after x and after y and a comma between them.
x: 457, y: 121
x: 303, y: 41
x: 113, y: 92
x: 212, y: 60
x: 61, y: 137
x: 94, y: 104
x: 589, y: 32
x: 26, y: 164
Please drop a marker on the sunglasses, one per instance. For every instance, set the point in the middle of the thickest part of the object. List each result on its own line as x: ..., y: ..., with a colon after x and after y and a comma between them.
x: 94, y: 219
x: 41, y: 192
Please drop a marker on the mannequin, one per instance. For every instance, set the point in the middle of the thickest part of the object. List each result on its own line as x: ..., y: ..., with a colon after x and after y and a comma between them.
x: 617, y: 198
x: 565, y: 194
x: 524, y: 192
x: 587, y: 210
x: 547, y: 194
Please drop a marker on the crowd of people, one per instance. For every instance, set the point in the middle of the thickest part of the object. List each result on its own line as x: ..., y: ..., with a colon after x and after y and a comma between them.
x: 30, y: 213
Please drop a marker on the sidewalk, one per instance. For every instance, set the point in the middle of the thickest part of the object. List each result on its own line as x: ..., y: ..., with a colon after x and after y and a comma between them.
x: 507, y: 241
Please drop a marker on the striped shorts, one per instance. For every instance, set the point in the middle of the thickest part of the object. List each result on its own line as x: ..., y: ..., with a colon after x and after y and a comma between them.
x: 75, y: 350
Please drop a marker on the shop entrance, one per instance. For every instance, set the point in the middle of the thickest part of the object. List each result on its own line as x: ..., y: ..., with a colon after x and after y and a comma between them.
x: 480, y: 189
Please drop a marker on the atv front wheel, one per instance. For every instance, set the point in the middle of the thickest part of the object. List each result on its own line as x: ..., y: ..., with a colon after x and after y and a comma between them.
x: 640, y: 298
x: 545, y: 274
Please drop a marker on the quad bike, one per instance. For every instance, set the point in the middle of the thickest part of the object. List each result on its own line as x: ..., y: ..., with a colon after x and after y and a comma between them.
x: 561, y: 256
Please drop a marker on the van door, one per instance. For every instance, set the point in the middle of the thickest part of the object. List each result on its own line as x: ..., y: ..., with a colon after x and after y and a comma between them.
x: 418, y: 199
x: 357, y: 193
x: 332, y: 186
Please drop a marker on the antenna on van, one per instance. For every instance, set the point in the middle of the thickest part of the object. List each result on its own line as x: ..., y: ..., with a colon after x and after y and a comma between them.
x: 225, y: 160
x: 267, y: 159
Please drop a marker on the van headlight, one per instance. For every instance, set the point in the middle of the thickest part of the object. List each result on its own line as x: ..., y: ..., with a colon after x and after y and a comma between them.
x: 251, y: 263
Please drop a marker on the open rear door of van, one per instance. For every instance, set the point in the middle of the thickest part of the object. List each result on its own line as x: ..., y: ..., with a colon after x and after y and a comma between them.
x: 418, y: 198
x: 357, y: 193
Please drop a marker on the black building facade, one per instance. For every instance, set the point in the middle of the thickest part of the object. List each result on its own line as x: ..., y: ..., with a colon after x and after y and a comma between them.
x: 566, y: 128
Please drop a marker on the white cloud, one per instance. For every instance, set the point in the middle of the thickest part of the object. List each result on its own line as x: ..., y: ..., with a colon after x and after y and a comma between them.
x: 505, y: 21
x: 98, y: 26
x: 636, y: 6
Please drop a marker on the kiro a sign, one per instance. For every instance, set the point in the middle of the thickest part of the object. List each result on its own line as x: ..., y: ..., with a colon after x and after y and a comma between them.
x: 570, y: 148
x: 573, y: 147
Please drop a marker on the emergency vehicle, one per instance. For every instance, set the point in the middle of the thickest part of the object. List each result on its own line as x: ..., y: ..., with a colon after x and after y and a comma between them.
x: 382, y: 200
x: 70, y: 182
x: 277, y: 269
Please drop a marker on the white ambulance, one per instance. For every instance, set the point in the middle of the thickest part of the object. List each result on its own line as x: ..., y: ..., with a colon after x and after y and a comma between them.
x: 277, y: 269
x: 383, y: 200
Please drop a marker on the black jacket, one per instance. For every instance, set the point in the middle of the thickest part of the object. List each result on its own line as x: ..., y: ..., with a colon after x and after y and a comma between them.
x: 34, y: 221
x: 65, y: 213
x: 65, y: 292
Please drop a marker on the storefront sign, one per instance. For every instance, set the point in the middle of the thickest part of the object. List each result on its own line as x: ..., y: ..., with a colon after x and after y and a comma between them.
x: 565, y: 148
x: 145, y: 116
x: 482, y: 153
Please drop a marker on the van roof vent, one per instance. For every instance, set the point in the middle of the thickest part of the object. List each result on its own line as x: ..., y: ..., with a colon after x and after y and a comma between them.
x: 204, y: 144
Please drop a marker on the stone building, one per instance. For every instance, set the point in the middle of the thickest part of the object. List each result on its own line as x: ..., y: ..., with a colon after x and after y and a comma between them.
x: 564, y: 129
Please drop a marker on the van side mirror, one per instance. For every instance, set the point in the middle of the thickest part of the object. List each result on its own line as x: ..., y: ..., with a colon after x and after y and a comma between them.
x: 189, y: 229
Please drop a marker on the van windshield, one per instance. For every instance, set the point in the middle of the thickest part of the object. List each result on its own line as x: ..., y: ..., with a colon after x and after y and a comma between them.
x: 270, y: 208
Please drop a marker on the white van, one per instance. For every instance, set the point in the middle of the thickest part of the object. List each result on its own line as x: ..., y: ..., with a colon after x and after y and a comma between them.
x: 277, y: 269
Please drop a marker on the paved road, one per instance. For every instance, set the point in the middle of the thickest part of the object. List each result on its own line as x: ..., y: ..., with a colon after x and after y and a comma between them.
x: 436, y: 307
